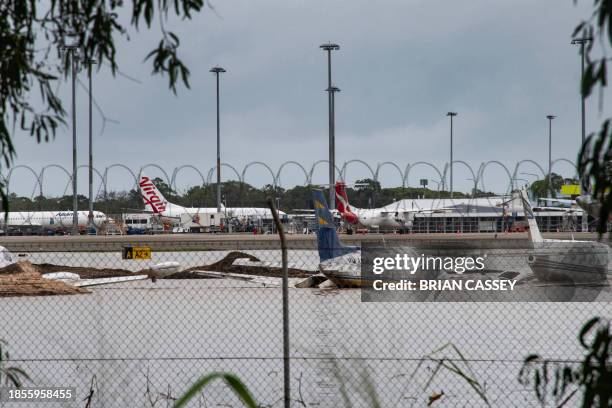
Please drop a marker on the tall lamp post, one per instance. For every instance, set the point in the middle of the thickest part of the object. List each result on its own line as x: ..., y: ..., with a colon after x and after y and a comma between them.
x: 332, y: 137
x: 90, y: 217
x: 550, y: 118
x: 218, y: 70
x: 71, y: 45
x: 451, y: 114
x: 582, y: 41
x: 332, y: 92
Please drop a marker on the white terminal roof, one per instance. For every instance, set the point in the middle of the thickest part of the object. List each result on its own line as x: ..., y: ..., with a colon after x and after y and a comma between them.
x: 482, y: 207
x: 440, y: 203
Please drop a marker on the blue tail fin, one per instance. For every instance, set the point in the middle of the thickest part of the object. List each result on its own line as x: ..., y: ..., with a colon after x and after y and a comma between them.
x: 327, y: 239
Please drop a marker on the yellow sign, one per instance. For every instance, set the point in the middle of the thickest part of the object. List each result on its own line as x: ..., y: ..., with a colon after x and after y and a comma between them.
x: 138, y: 253
x: 570, y: 189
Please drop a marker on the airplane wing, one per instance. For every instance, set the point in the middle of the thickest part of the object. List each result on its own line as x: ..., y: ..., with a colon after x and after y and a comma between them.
x: 313, y: 267
x: 75, y: 280
x: 265, y: 281
x: 104, y: 281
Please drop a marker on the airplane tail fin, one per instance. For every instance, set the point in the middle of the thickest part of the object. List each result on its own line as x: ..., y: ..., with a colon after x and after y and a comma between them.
x: 342, y: 202
x: 534, y: 231
x: 153, y: 199
x: 327, y: 238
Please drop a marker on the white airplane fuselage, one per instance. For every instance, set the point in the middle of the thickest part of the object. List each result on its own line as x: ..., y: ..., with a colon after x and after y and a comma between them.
x: 50, y: 219
x: 175, y: 211
x: 381, y: 218
x: 376, y: 218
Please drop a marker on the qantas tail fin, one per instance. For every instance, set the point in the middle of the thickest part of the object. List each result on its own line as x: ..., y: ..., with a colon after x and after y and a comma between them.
x: 153, y: 199
x: 342, y: 202
x: 327, y: 239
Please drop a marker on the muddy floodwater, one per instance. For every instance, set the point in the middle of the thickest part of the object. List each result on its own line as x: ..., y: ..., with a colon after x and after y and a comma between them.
x: 139, y: 343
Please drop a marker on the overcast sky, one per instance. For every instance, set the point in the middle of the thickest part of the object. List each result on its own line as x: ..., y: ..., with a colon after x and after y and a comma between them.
x: 402, y: 65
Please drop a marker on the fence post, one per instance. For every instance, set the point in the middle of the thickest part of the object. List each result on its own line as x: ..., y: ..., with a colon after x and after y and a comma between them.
x: 286, y: 370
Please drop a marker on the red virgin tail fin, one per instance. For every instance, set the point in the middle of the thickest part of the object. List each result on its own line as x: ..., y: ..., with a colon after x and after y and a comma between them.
x: 152, y: 198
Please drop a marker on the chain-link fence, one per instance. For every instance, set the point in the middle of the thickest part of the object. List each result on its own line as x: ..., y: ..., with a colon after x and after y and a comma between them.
x: 214, y: 303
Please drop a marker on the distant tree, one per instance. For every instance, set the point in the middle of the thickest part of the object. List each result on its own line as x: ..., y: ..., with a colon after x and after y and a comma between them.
x: 476, y: 193
x: 595, y: 158
x: 298, y: 197
x: 541, y: 188
x: 366, y: 192
x: 119, y: 202
x: 166, y: 190
x: 198, y: 196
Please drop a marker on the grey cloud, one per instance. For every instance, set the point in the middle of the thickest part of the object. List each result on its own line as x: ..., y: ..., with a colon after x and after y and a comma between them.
x: 503, y: 66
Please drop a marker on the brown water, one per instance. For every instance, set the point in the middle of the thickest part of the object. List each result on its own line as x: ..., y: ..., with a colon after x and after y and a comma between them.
x: 139, y: 340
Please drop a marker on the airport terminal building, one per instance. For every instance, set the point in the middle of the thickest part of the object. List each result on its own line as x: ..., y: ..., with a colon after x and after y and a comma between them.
x: 490, y: 214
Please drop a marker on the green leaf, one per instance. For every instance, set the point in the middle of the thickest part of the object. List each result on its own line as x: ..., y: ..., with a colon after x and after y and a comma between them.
x: 230, y: 379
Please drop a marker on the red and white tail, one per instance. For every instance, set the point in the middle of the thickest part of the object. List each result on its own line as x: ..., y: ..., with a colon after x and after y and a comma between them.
x: 342, y: 204
x: 152, y: 198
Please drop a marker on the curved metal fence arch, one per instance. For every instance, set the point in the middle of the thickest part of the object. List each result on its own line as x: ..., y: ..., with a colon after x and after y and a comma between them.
x: 7, y: 179
x: 568, y: 161
x: 518, y: 164
x: 54, y: 166
x: 185, y: 166
x: 409, y: 167
x: 121, y: 166
x: 484, y: 167
x: 307, y: 180
x: 158, y: 167
x: 345, y: 167
x: 93, y: 169
x: 39, y: 178
x: 260, y: 164
x: 229, y: 166
x: 393, y: 164
x: 468, y: 167
x: 315, y: 164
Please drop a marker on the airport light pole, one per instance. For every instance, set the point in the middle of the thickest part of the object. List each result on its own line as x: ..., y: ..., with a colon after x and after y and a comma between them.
x: 451, y: 114
x: 90, y: 217
x: 582, y: 41
x: 332, y: 196
x: 550, y: 118
x: 329, y: 47
x: 71, y: 45
x: 218, y: 70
